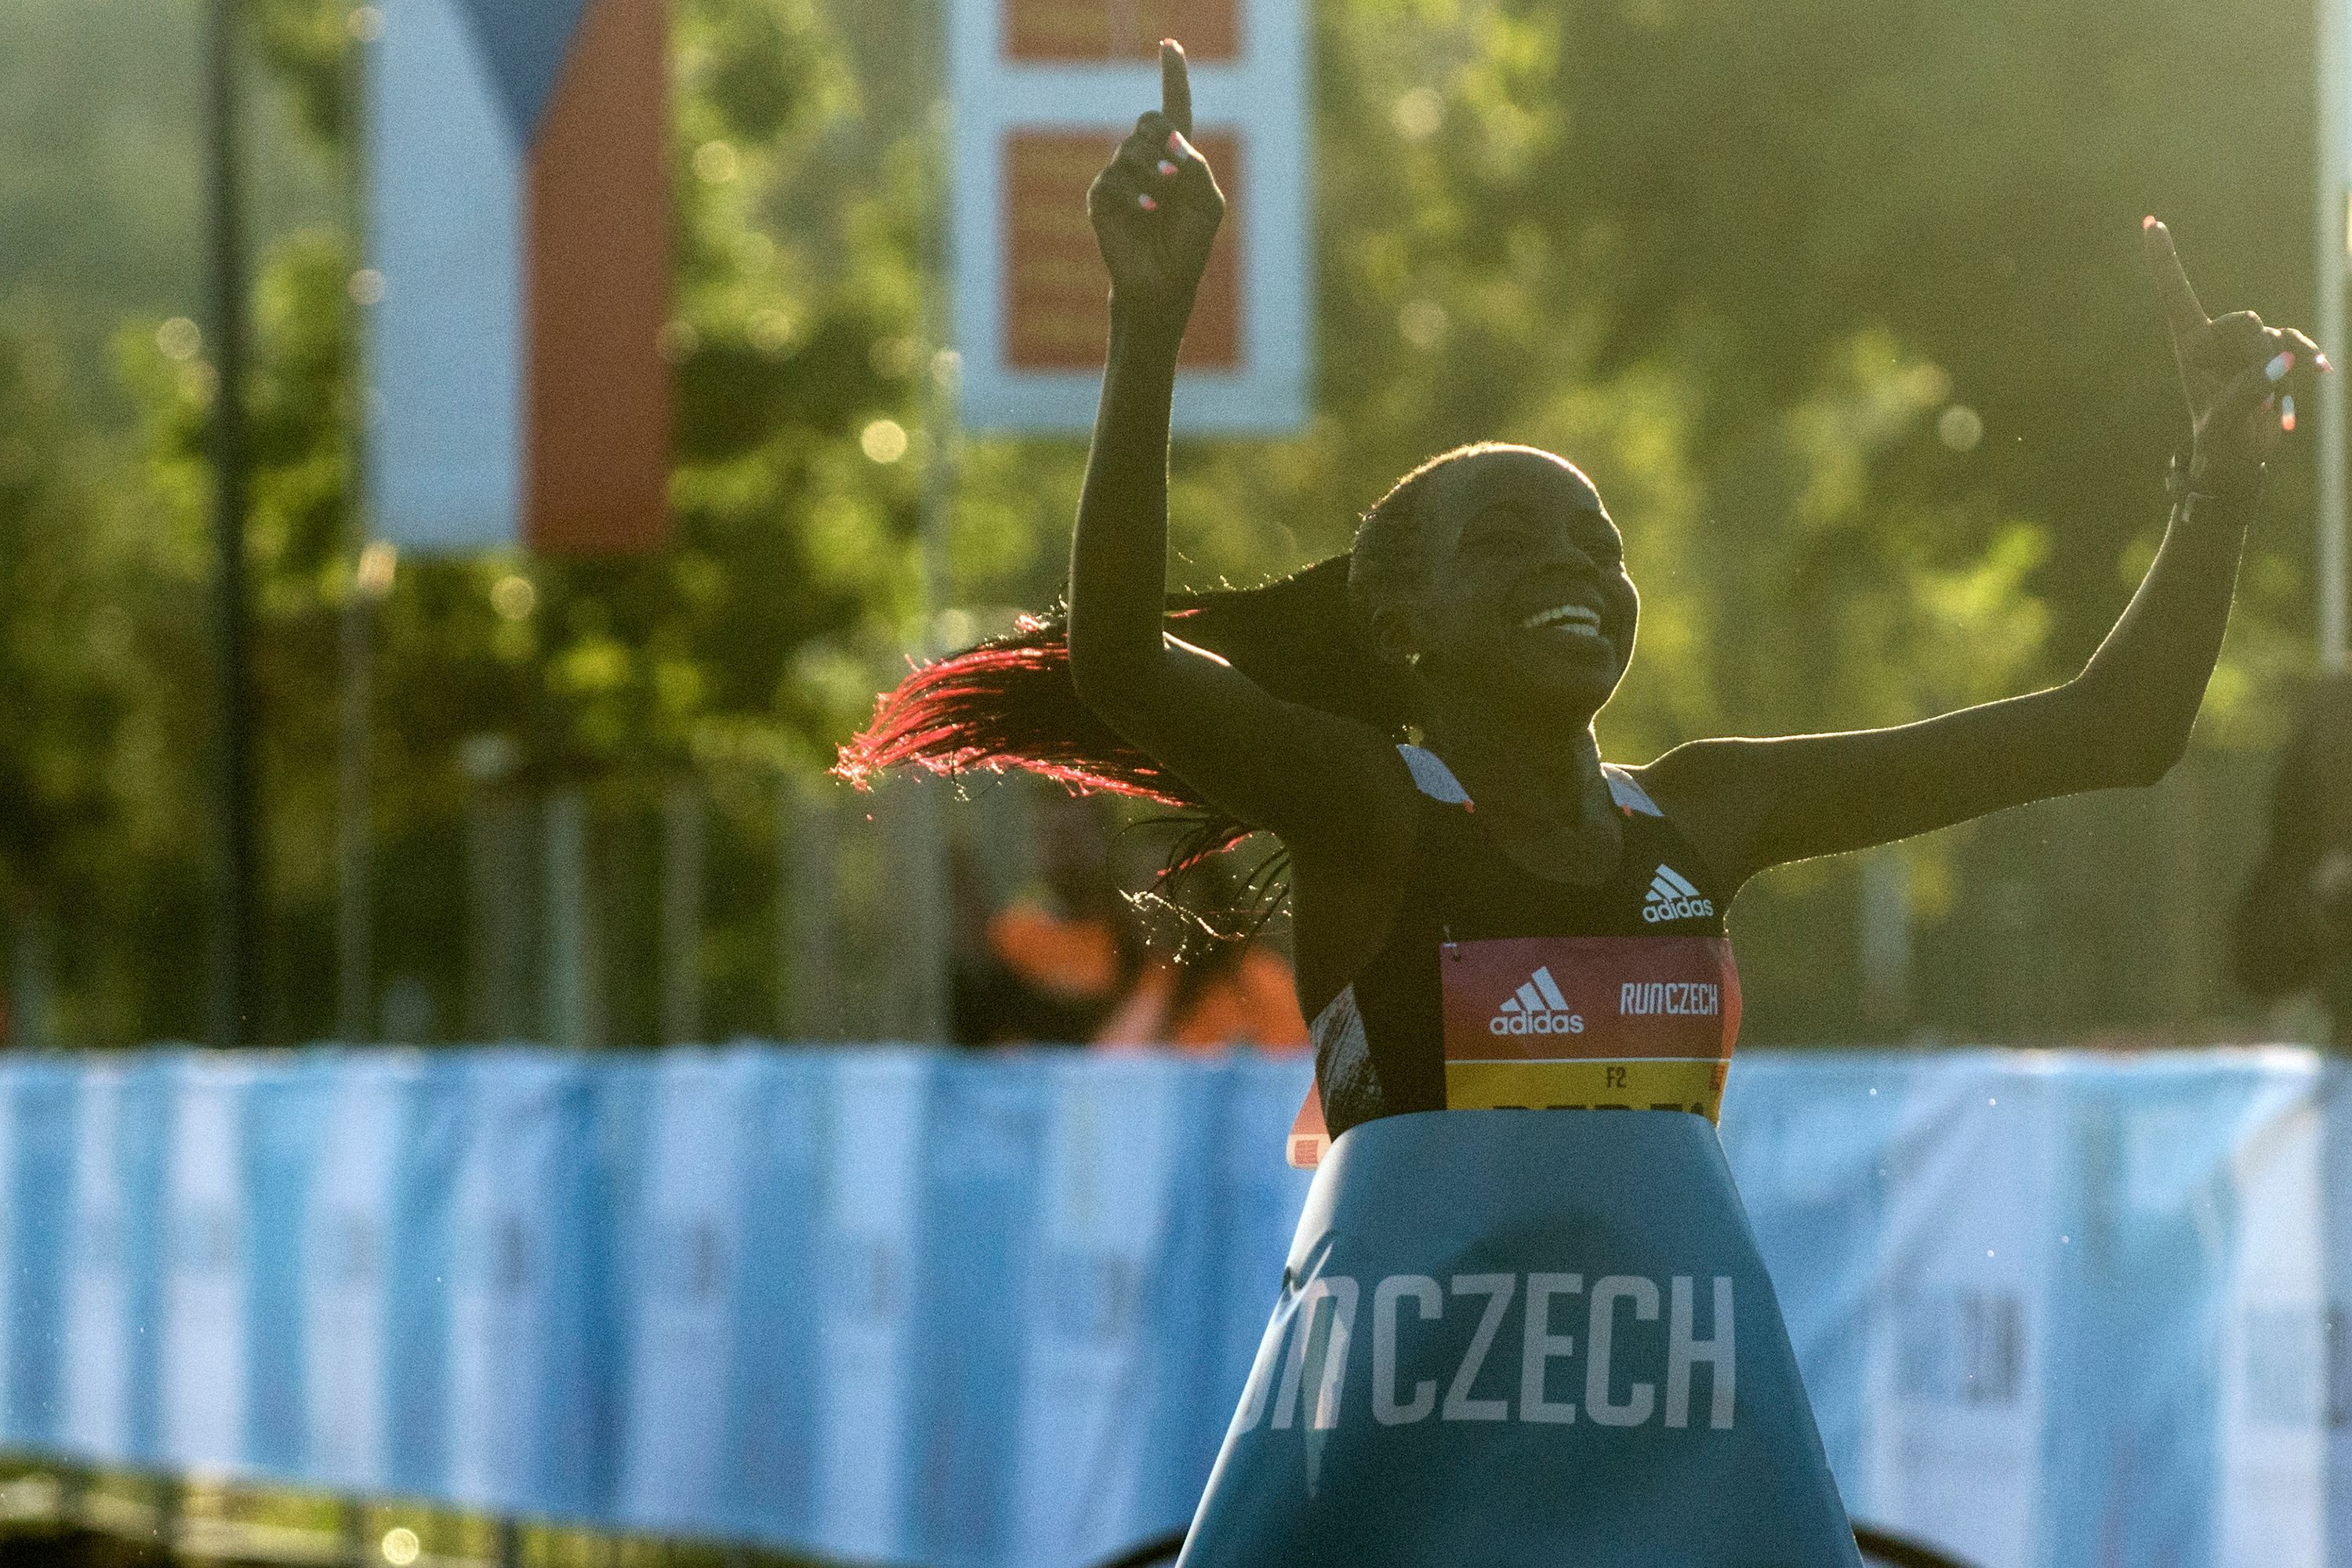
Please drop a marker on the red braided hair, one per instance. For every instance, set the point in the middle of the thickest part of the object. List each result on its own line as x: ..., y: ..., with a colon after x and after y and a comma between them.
x: 1009, y: 703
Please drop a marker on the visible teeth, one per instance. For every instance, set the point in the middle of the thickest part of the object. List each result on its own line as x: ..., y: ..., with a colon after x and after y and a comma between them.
x: 1579, y: 618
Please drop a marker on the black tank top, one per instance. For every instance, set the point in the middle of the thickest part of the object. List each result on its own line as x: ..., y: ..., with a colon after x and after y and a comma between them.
x: 1498, y: 987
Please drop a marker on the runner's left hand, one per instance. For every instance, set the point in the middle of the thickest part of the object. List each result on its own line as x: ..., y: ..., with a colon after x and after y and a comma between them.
x: 2237, y: 375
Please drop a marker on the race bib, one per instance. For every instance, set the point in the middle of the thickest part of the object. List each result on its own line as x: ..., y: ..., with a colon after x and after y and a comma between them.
x: 1591, y: 1023
x: 1583, y: 1022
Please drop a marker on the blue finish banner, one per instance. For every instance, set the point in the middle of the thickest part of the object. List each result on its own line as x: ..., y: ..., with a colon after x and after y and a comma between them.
x: 905, y: 1305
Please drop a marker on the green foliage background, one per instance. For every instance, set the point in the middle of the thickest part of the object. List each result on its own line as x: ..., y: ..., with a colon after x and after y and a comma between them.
x: 1764, y: 270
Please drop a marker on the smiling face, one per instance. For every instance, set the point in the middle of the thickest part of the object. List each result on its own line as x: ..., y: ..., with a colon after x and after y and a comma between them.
x: 1520, y: 589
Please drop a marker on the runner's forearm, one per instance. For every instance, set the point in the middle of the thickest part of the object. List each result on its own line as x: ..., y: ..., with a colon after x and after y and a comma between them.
x: 2124, y: 720
x: 2141, y: 690
x: 1118, y: 556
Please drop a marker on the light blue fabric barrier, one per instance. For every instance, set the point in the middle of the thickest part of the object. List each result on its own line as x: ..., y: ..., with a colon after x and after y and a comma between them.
x: 110, y: 1250
x: 2056, y: 1309
x: 900, y: 1306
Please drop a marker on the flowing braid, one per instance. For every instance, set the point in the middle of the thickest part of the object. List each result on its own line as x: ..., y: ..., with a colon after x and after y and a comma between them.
x: 1009, y: 703
x: 1006, y: 703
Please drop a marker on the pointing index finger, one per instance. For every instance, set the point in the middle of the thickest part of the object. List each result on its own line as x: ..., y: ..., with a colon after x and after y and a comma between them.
x: 2182, y: 313
x: 1175, y: 87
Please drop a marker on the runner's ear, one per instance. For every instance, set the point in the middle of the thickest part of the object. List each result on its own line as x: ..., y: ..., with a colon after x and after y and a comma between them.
x: 1393, y: 637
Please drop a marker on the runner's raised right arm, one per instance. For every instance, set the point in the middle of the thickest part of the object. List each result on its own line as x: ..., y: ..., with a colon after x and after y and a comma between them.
x: 1307, y: 774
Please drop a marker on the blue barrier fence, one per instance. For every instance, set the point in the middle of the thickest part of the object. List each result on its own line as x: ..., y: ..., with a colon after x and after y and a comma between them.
x: 898, y: 1306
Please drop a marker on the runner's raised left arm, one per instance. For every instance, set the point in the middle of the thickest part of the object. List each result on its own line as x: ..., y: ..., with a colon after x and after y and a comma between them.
x: 2125, y: 720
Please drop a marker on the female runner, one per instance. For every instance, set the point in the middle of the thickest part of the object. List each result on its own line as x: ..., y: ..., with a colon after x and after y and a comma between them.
x: 1539, y: 1335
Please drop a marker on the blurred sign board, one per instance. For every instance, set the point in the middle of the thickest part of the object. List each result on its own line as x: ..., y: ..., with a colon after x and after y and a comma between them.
x: 518, y: 223
x: 1088, y: 32
x: 1044, y: 90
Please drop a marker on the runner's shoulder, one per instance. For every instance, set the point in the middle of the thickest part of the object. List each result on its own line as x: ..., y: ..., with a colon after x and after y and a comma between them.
x: 1707, y: 790
x: 1703, y: 775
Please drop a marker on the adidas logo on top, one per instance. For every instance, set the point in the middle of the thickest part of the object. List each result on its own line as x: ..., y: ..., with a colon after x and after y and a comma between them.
x: 1672, y: 898
x: 1537, y: 1007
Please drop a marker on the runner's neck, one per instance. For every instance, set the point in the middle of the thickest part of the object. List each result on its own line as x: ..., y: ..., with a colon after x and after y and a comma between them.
x: 1541, y: 793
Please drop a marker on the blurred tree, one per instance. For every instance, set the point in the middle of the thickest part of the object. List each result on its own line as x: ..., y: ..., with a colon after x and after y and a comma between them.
x: 732, y: 651
x: 101, y: 183
x: 97, y: 834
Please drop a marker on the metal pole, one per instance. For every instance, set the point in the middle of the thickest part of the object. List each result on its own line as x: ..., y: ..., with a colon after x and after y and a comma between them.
x: 569, y: 1014
x: 919, y: 819
x: 1885, y: 944
x: 371, y: 570
x: 944, y: 386
x: 32, y: 990
x: 808, y: 956
x: 354, y: 928
x: 498, y: 897
x: 236, y: 968
x: 2332, y: 239
x: 683, y: 850
x: 912, y: 815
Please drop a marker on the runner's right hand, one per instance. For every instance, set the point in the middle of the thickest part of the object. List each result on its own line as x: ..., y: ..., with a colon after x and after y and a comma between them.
x: 1156, y: 209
